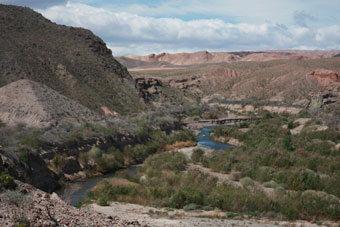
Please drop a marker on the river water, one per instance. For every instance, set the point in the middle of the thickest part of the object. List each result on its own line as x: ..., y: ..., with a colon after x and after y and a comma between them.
x: 203, y: 139
x: 74, y: 192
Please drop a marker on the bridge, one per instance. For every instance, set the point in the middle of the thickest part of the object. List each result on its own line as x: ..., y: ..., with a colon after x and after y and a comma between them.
x: 221, y: 121
x: 226, y: 120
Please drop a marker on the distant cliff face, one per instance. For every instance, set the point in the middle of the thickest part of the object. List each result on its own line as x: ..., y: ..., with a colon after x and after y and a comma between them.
x: 72, y: 61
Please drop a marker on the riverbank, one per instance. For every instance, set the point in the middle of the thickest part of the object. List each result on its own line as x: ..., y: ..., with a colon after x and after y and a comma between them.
x: 74, y: 192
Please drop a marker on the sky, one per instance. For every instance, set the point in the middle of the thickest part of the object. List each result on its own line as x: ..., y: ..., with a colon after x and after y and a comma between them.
x: 142, y: 27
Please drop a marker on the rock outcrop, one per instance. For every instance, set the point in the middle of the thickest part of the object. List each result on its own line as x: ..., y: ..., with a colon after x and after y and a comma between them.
x: 38, y: 208
x: 191, y: 82
x: 148, y: 87
x: 325, y: 78
x: 32, y: 170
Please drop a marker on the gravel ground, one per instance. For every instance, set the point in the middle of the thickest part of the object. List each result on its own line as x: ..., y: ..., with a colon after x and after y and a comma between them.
x: 42, y: 209
x: 151, y: 216
x: 156, y: 217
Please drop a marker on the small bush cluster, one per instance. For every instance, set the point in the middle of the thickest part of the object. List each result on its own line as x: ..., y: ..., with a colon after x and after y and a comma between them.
x: 197, y: 155
x: 98, y: 160
x: 18, y: 203
x: 112, y: 159
x: 6, y: 181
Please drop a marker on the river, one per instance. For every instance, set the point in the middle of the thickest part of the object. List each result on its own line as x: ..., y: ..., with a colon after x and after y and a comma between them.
x: 74, y: 192
x: 203, y: 139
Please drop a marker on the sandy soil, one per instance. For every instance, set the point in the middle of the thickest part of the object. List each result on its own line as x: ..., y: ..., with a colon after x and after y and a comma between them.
x: 162, y: 218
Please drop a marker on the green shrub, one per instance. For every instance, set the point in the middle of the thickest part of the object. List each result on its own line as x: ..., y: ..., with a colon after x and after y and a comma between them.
x: 207, y: 208
x: 197, y: 155
x: 102, y: 201
x: 264, y: 173
x: 95, y: 152
x: 183, y: 135
x: 58, y: 161
x: 30, y: 140
x: 24, y: 156
x: 289, y: 210
x: 291, y: 125
x: 331, y: 185
x: 321, y: 204
x: 18, y: 203
x: 196, y: 112
x: 169, y: 209
x: 232, y: 215
x: 6, y: 181
x: 244, y: 125
x: 191, y: 206
x: 247, y: 182
x: 270, y: 184
x: 304, y: 179
x: 174, y: 161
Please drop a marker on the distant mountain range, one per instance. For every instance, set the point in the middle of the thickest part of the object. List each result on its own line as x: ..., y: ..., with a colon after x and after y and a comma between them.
x: 166, y: 60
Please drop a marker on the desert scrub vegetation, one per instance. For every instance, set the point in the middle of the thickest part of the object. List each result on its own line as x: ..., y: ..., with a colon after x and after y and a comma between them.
x: 19, y: 136
x: 271, y: 155
x: 113, y: 158
x: 6, y: 181
x: 17, y: 202
x: 162, y: 182
x: 197, y: 155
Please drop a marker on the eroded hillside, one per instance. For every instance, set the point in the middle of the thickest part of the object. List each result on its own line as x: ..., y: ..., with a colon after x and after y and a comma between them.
x: 72, y: 61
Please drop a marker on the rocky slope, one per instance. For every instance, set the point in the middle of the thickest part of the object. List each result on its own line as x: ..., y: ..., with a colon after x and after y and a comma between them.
x: 36, y: 105
x: 72, y: 61
x: 32, y: 207
x: 204, y: 57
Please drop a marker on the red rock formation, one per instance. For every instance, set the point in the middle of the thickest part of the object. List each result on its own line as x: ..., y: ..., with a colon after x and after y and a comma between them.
x: 327, y: 79
x: 325, y: 76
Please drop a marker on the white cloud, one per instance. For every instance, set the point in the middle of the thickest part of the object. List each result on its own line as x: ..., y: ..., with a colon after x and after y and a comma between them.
x: 40, y: 4
x: 131, y: 33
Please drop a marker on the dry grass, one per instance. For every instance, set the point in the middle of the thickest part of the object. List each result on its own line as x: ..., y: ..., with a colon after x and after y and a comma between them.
x: 138, y: 199
x: 114, y: 182
x: 179, y: 145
